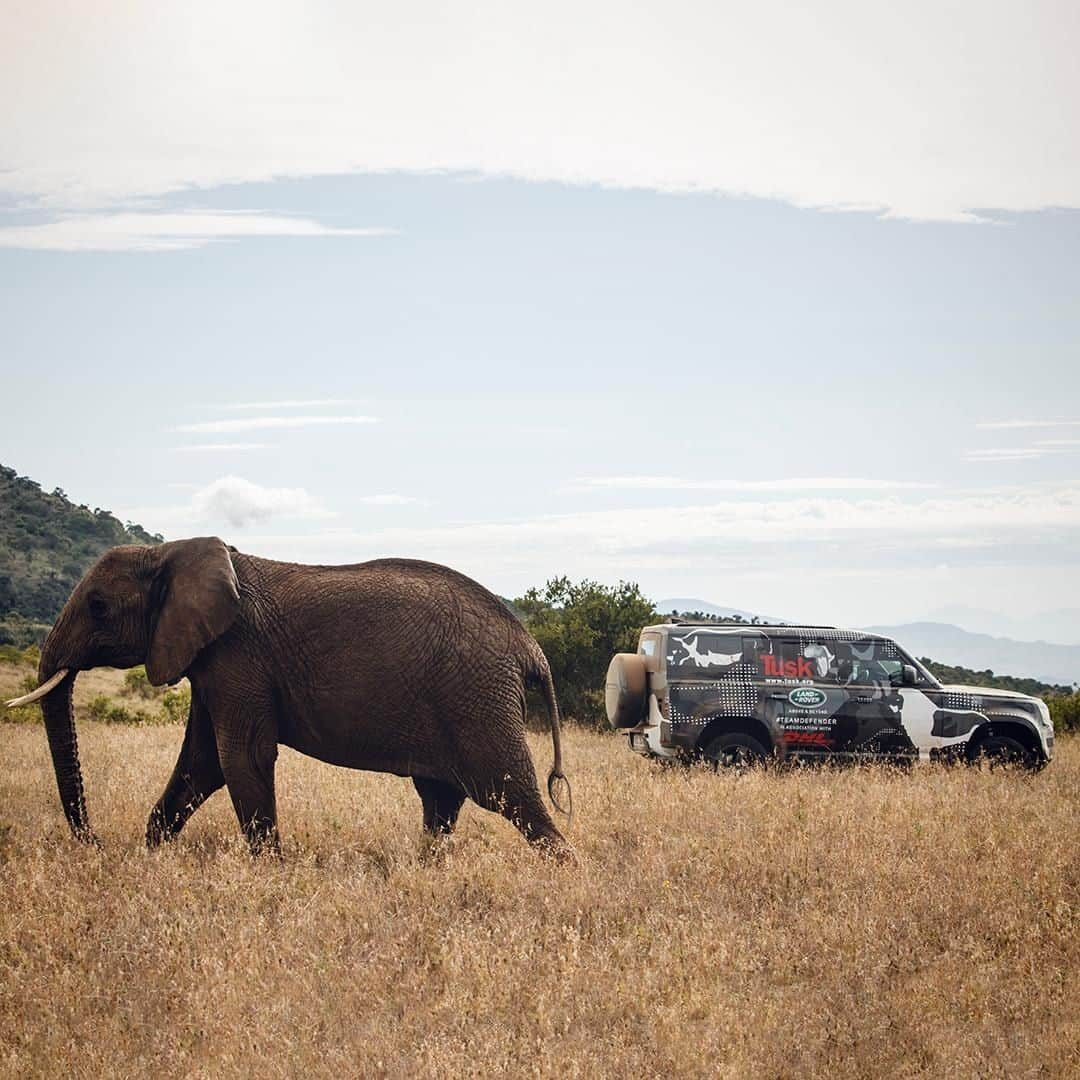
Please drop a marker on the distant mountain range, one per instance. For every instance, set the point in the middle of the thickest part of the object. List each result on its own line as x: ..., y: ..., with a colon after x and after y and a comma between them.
x: 1036, y: 659
x: 1061, y: 625
x: 943, y: 642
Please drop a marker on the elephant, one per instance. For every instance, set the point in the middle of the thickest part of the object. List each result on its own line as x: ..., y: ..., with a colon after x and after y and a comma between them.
x: 395, y: 665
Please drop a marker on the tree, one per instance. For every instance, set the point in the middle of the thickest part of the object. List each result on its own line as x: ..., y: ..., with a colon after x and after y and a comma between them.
x: 1065, y: 712
x: 579, y: 627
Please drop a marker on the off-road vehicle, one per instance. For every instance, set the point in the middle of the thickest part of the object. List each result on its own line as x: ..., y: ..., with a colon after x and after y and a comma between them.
x: 738, y: 694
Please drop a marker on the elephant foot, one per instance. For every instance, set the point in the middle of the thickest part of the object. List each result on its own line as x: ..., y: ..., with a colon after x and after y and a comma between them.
x: 158, y: 830
x: 435, y: 847
x: 264, y: 842
x: 560, y: 851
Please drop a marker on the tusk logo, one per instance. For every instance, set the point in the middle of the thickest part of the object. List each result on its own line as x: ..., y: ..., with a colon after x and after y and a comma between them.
x: 807, y: 697
x: 788, y: 669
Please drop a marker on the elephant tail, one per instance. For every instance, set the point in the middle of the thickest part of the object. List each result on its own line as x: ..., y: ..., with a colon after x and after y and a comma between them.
x: 540, y: 676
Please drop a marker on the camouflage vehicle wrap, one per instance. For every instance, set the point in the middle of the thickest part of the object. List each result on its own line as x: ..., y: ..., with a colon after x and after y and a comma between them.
x: 816, y: 691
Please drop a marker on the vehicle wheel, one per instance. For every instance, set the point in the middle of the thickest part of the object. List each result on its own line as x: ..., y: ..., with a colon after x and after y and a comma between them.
x: 734, y: 750
x: 999, y: 751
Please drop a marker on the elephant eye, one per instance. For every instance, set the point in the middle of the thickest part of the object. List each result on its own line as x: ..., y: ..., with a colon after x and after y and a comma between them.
x: 98, y: 606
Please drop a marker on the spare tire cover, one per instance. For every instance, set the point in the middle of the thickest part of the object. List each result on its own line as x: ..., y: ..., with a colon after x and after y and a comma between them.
x: 625, y: 690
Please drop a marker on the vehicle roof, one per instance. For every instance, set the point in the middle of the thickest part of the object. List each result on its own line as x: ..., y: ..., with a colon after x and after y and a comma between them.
x: 770, y: 631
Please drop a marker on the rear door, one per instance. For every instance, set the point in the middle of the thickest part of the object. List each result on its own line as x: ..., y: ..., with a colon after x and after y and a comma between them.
x: 800, y: 678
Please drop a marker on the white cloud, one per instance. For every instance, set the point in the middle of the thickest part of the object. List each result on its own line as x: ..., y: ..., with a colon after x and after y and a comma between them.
x: 668, y: 536
x: 1014, y: 453
x: 389, y: 500
x: 261, y: 423
x: 212, y: 448
x: 1057, y: 442
x: 161, y: 231
x: 922, y: 109
x: 312, y: 403
x: 1005, y: 425
x: 795, y: 483
x: 240, y: 502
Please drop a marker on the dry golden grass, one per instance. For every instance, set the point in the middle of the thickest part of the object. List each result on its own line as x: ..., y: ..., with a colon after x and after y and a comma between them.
x: 852, y: 922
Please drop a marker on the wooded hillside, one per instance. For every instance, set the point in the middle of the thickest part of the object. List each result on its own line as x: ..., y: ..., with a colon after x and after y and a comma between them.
x: 47, y: 542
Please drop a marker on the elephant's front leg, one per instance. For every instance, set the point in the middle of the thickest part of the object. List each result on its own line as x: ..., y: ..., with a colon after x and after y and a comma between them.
x: 247, y: 747
x: 196, y: 776
x: 442, y: 804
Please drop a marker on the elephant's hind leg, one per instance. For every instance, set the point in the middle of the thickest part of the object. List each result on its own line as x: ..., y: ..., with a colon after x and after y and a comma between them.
x: 196, y: 776
x: 513, y: 792
x: 248, y: 752
x: 442, y: 804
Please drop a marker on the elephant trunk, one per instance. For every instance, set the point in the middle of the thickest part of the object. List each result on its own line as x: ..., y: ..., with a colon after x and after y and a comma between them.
x: 59, y: 714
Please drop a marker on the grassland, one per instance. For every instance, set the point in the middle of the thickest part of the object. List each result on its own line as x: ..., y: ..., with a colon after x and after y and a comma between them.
x: 854, y: 922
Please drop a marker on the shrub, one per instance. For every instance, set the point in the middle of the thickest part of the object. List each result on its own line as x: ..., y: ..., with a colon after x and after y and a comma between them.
x: 1065, y: 712
x: 13, y: 654
x: 175, y: 705
x: 137, y: 684
x: 24, y: 714
x: 579, y: 627
x: 105, y: 711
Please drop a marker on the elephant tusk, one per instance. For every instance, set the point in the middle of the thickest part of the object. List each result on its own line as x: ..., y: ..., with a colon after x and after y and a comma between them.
x: 40, y: 692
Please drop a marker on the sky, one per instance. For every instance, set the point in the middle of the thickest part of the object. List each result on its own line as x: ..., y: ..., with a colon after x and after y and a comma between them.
x: 779, y: 309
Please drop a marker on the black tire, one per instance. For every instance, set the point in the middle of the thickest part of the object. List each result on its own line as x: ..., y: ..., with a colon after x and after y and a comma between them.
x: 1003, y: 751
x: 734, y: 750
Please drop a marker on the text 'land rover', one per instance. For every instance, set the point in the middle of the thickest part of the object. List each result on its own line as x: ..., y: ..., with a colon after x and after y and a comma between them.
x: 736, y: 694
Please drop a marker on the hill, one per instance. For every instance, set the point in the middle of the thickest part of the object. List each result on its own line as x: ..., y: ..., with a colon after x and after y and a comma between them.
x: 981, y: 652
x: 955, y: 675
x: 47, y: 542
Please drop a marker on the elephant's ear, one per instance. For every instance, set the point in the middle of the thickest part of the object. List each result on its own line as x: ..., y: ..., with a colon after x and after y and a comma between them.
x: 195, y: 599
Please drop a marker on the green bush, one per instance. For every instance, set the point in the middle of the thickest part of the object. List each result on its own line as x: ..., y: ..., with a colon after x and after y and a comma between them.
x: 13, y: 654
x: 106, y: 711
x: 1065, y: 712
x: 137, y: 684
x: 24, y: 714
x: 580, y: 627
x: 175, y: 705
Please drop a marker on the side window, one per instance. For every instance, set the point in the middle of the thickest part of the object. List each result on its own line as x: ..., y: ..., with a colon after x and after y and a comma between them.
x: 649, y: 647
x: 754, y: 651
x: 799, y: 658
x: 701, y: 651
x: 870, y: 663
x: 821, y: 656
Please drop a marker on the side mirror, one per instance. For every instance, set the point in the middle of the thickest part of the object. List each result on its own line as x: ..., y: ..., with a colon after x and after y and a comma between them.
x: 910, y: 675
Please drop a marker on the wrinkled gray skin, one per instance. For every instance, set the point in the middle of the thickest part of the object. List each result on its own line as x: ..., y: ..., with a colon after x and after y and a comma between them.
x: 394, y: 665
